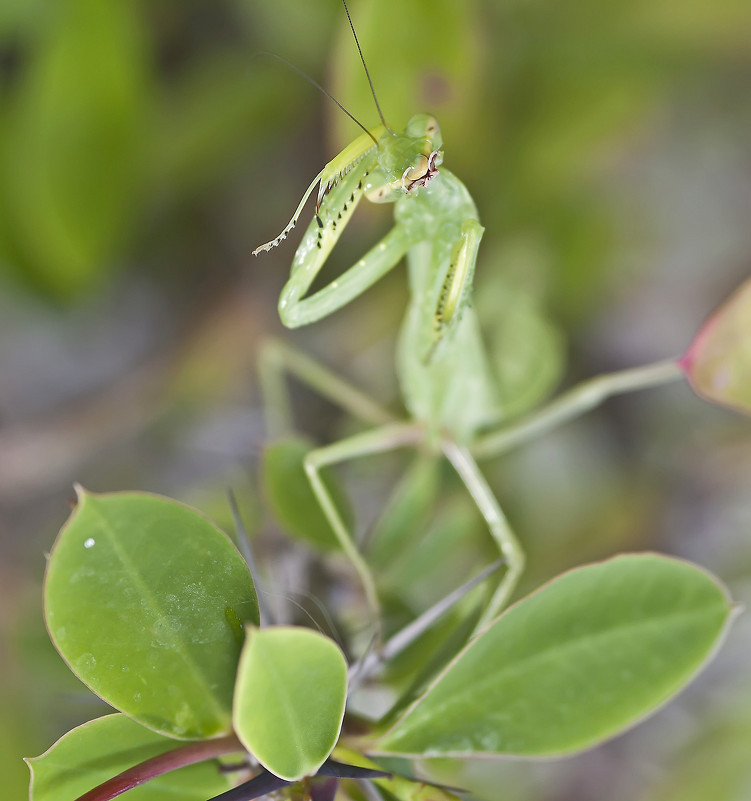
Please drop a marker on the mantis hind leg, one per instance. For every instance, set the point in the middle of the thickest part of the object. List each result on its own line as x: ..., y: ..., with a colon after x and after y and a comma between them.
x: 378, y: 440
x: 277, y: 358
x: 509, y: 546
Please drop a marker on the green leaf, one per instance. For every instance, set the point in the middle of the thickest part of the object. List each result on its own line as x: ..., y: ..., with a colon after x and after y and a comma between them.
x: 71, y: 165
x: 527, y: 354
x: 396, y: 786
x: 718, y: 363
x: 571, y: 665
x: 526, y: 350
x: 406, y: 515
x: 289, y: 700
x: 100, y: 749
x: 145, y: 600
x: 426, y: 564
x: 291, y: 497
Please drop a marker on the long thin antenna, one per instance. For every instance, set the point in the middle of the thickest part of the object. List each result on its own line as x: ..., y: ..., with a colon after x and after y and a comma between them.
x: 362, y: 58
x: 318, y: 86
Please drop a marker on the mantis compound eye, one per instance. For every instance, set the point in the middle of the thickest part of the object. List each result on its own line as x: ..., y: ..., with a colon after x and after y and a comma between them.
x: 422, y: 172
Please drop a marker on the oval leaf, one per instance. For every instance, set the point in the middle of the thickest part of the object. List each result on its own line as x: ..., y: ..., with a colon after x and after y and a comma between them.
x: 145, y: 599
x: 718, y: 363
x: 289, y: 700
x: 100, y: 749
x: 291, y: 497
x: 571, y: 665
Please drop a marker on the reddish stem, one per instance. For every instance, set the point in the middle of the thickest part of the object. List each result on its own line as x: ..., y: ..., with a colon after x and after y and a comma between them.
x: 179, y: 757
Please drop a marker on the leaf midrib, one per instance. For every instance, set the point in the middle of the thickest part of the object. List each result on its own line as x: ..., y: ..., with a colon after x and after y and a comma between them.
x: 153, y: 605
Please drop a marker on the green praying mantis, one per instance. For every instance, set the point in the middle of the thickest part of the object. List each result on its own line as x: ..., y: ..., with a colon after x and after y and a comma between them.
x: 445, y: 377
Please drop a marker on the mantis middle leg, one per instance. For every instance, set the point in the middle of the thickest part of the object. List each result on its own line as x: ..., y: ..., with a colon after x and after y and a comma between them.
x: 378, y: 440
x: 276, y: 358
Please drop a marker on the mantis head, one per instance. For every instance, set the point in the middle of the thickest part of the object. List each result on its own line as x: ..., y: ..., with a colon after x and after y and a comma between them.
x: 406, y: 162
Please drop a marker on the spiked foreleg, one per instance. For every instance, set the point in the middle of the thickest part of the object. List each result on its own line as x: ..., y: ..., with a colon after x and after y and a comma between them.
x: 295, y: 309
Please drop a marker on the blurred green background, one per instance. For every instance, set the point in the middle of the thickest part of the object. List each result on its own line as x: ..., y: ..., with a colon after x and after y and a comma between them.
x: 147, y: 148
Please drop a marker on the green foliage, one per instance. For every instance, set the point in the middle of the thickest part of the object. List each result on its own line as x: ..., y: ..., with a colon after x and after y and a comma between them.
x: 72, y: 158
x: 289, y: 699
x: 110, y: 130
x: 569, y: 666
x: 100, y: 749
x: 526, y: 349
x: 409, y: 509
x: 395, y: 786
x: 99, y: 139
x: 291, y: 498
x: 572, y: 664
x: 137, y: 593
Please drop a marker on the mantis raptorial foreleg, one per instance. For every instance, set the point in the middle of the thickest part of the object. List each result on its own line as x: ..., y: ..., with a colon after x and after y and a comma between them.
x: 378, y: 440
x: 295, y: 309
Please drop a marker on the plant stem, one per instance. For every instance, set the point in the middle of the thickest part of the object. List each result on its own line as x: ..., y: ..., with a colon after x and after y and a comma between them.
x: 163, y: 763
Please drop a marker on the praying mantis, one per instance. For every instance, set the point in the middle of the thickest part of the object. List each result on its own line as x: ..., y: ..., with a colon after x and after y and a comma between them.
x: 444, y: 373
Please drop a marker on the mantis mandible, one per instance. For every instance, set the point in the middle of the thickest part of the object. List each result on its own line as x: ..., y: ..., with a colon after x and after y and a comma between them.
x: 444, y: 375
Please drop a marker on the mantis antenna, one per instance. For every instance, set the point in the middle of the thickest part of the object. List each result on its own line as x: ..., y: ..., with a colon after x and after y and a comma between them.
x: 367, y: 73
x: 325, y: 172
x: 318, y: 86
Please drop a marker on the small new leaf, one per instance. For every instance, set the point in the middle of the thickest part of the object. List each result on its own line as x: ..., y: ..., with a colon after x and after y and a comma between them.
x: 718, y: 363
x: 289, y: 699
